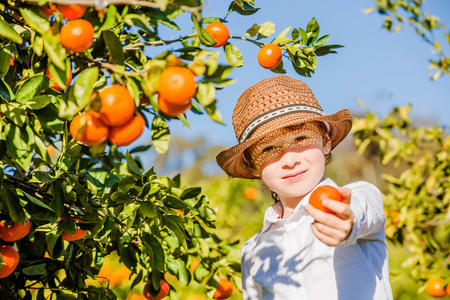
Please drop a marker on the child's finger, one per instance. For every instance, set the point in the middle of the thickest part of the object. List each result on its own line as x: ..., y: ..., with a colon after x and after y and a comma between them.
x: 342, y: 210
x: 328, y: 240
x: 334, y: 233
x: 345, y: 194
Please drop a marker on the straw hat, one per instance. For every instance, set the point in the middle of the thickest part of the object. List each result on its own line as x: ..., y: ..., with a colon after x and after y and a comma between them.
x: 271, y: 104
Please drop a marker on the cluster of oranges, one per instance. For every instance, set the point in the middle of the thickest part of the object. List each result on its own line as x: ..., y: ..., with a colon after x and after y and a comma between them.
x: 116, y: 120
x: 435, y: 287
x: 10, y: 255
x: 269, y: 56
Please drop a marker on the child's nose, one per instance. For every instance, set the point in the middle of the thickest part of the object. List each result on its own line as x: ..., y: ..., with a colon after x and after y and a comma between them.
x: 289, y: 159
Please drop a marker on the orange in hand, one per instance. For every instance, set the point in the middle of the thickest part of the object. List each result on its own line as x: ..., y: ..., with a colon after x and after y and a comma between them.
x: 77, y: 35
x: 117, y: 105
x: 219, y: 33
x: 224, y: 289
x: 177, y: 85
x: 14, y: 232
x: 172, y: 109
x: 55, y: 85
x: 89, y: 129
x: 10, y: 258
x: 163, y: 292
x: 269, y: 56
x: 321, y: 193
x: 435, y: 287
x: 128, y: 132
x: 71, y: 11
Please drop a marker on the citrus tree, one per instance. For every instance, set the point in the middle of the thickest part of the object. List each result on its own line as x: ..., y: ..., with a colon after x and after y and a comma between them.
x: 78, y: 85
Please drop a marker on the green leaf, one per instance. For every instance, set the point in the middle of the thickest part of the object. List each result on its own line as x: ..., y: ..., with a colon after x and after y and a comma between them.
x: 322, y: 40
x: 60, y: 76
x: 9, y: 33
x: 148, y: 209
x: 5, y: 91
x: 233, y: 55
x: 31, y: 87
x: 84, y: 86
x: 14, y: 112
x: 40, y: 269
x: 40, y: 101
x: 160, y: 134
x: 34, y: 19
x: 114, y: 47
x: 174, y: 202
x: 266, y: 29
x: 5, y: 60
x: 190, y: 193
x: 205, y: 93
x: 121, y: 197
x: 177, y: 231
x: 54, y: 49
x: 245, y: 9
x: 15, y: 209
x: 38, y: 202
x: 110, y: 19
x: 203, y: 35
x: 304, y: 36
x: 312, y: 30
x: 157, y: 251
x: 252, y: 31
x: 132, y: 164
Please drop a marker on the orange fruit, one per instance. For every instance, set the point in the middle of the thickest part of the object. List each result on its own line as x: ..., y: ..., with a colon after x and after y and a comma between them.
x: 219, y: 33
x: 172, y: 109
x: 448, y: 289
x: 50, y: 150
x: 14, y: 232
x: 79, y: 233
x: 55, y: 85
x: 250, y: 194
x: 71, y: 11
x: 177, y: 85
x: 10, y: 258
x: 136, y: 297
x: 77, y: 35
x: 224, y: 289
x: 195, y: 297
x: 89, y: 129
x: 269, y: 56
x: 117, y: 105
x: 128, y: 132
x: 163, y: 292
x: 435, y: 287
x: 321, y: 193
x: 194, y: 265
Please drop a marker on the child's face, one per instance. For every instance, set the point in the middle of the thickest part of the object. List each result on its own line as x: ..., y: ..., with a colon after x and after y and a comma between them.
x: 291, y: 161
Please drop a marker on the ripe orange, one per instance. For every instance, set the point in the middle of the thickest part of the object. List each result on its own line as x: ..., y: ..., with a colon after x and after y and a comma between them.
x: 77, y: 35
x: 435, y: 287
x: 177, y: 85
x: 171, y: 109
x: 250, y: 194
x: 194, y: 265
x: 14, y: 232
x: 55, y: 85
x: 94, y: 131
x: 128, y: 132
x: 163, y: 292
x: 50, y: 150
x: 219, y: 32
x: 448, y: 289
x: 79, y: 233
x: 117, y: 105
x: 269, y: 56
x: 10, y: 258
x: 195, y: 297
x: 136, y: 297
x: 321, y: 193
x: 71, y: 11
x: 224, y: 289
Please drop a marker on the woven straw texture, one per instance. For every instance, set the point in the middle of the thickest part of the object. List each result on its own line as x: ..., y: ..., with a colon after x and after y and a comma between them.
x: 265, y: 96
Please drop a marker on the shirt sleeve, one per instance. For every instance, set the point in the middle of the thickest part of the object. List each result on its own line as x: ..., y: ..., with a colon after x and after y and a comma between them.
x: 367, y: 206
x: 250, y: 289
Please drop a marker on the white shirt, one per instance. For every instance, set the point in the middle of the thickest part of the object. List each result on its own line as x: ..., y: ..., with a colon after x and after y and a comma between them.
x: 285, y: 260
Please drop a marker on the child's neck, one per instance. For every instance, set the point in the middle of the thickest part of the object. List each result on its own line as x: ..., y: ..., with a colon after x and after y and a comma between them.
x: 289, y: 205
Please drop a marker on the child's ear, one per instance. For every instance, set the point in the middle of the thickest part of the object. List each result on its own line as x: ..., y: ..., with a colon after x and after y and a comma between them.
x: 327, y: 144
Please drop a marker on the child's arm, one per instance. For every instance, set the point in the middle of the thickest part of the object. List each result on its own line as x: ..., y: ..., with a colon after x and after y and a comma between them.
x: 329, y: 228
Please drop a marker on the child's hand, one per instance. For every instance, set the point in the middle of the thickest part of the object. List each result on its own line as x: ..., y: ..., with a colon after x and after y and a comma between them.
x: 331, y: 228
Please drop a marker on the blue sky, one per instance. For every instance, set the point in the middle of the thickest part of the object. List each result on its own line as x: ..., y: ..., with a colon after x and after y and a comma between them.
x: 382, y: 69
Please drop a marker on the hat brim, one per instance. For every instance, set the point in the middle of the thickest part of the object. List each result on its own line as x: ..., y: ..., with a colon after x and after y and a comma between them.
x: 231, y: 160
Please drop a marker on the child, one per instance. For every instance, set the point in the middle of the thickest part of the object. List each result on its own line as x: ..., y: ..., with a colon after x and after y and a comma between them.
x: 301, y: 252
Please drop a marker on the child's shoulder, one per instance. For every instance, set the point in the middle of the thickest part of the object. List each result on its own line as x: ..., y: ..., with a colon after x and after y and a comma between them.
x: 364, y: 189
x: 361, y: 185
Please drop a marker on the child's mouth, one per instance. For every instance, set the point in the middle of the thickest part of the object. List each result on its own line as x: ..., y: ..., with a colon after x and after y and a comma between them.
x: 294, y: 176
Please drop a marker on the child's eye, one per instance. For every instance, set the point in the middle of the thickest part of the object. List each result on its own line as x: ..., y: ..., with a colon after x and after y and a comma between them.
x: 300, y: 138
x: 268, y: 149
